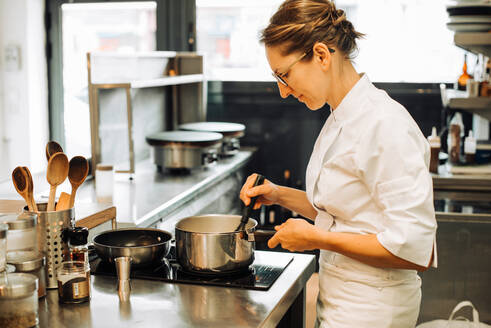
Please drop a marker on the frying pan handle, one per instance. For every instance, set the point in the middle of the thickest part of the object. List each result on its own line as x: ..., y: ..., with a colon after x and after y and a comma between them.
x: 261, y: 235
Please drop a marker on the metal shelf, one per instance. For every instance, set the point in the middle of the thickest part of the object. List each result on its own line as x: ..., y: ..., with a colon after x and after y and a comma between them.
x: 478, y: 43
x: 477, y: 105
x: 160, y: 82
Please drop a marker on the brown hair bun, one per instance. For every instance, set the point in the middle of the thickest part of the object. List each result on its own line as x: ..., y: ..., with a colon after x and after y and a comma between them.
x: 299, y: 24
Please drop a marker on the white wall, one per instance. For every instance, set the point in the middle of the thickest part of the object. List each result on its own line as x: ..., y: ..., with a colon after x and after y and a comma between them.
x: 23, y: 89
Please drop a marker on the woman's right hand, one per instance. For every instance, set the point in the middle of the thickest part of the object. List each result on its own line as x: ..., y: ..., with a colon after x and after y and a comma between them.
x: 268, y: 192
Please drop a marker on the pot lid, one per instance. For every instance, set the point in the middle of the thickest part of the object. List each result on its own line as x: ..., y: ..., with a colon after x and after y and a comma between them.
x: 221, y: 127
x: 188, y: 137
x: 25, y: 260
x: 18, y: 285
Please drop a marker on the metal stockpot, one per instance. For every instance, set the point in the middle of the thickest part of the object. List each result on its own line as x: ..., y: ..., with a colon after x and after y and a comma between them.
x: 209, y: 243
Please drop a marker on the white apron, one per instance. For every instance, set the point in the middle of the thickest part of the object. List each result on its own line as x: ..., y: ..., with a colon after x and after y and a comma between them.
x: 353, y: 294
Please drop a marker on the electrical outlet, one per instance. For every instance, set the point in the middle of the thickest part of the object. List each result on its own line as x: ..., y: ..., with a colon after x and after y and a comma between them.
x: 12, y: 58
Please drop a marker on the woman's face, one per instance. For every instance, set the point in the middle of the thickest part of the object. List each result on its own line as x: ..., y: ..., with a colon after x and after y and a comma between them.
x: 306, y: 81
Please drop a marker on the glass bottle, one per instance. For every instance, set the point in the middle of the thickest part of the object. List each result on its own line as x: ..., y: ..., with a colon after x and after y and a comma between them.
x: 462, y: 81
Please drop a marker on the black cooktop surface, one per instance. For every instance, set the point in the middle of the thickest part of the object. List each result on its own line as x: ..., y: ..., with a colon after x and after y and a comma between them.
x: 259, y: 276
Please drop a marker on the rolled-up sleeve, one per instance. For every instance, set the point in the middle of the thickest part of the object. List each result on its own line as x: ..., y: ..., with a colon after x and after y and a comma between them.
x: 392, y: 159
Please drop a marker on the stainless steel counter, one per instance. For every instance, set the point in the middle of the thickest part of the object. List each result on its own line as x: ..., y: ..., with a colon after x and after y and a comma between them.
x: 448, y: 181
x: 160, y: 304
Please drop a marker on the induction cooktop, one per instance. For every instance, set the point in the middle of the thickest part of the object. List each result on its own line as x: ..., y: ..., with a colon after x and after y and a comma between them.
x: 259, y: 276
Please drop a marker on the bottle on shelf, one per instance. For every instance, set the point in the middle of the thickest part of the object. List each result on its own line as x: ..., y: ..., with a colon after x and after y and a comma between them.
x: 470, y: 148
x: 435, y: 145
x: 453, y: 140
x: 462, y: 81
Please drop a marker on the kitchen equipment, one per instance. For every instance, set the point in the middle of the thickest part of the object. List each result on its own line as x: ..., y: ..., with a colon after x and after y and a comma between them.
x: 123, y: 268
x: 22, y: 231
x: 78, y: 168
x: 30, y: 188
x: 30, y: 262
x: 73, y: 282
x: 56, y: 174
x: 184, y: 149
x: 208, y: 244
x: 246, y: 212
x: 63, y: 202
x: 260, y: 276
x: 18, y: 300
x: 3, y: 245
x: 21, y: 184
x: 52, y: 147
x: 50, y: 225
x: 231, y: 133
x: 145, y: 246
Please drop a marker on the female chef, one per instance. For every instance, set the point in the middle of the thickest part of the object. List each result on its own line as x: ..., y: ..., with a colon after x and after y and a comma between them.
x: 368, y: 189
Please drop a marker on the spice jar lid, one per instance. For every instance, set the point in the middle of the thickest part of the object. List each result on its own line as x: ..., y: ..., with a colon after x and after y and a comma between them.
x: 78, y: 236
x: 3, y: 230
x: 18, y: 285
x: 104, y: 167
x: 19, y: 222
x: 26, y: 260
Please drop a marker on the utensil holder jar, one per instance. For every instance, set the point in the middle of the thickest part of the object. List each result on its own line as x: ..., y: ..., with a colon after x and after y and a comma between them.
x: 49, y: 229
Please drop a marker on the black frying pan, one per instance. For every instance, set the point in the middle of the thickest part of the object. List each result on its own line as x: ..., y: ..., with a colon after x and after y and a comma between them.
x: 145, y: 246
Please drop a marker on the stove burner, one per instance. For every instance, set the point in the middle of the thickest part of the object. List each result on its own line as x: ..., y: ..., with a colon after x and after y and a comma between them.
x: 259, y: 276
x: 229, y: 274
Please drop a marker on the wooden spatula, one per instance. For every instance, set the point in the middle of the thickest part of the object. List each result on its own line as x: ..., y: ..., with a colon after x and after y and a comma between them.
x: 63, y: 202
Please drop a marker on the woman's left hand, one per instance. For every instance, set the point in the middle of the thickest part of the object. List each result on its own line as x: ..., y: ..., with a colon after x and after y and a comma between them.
x: 294, y: 235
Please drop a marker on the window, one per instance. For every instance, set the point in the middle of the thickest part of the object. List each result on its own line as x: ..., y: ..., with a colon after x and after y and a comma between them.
x: 406, y: 40
x: 116, y: 26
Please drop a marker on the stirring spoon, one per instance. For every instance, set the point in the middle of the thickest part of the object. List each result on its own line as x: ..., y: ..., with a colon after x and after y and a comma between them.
x: 52, y: 147
x: 20, y: 183
x: 57, y: 173
x: 30, y: 188
x: 77, y: 172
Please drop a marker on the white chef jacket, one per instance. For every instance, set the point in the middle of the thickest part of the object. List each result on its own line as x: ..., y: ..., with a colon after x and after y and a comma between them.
x: 368, y: 174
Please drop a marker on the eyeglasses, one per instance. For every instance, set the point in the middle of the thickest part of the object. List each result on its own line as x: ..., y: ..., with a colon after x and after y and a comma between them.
x: 280, y: 76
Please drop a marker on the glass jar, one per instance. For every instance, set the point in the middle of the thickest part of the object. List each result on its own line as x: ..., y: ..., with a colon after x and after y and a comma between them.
x: 3, y: 245
x: 73, y: 282
x: 18, y: 301
x: 104, y: 182
x: 22, y: 231
x: 77, y: 243
x: 30, y: 262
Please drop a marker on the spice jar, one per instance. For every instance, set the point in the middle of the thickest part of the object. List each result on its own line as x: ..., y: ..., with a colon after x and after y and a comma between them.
x: 30, y: 262
x: 77, y: 243
x: 3, y: 245
x: 73, y: 282
x: 18, y: 301
x: 22, y: 231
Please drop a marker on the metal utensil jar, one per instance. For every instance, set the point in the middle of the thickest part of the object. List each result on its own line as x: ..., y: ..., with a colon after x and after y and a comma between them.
x: 3, y: 245
x: 210, y: 244
x: 49, y: 228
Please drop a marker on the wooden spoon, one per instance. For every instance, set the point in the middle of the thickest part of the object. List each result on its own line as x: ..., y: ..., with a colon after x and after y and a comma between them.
x: 52, y: 147
x: 30, y: 188
x: 77, y: 172
x: 20, y: 183
x: 57, y: 173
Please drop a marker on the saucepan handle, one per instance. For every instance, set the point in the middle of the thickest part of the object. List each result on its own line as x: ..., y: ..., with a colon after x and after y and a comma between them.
x: 262, y: 235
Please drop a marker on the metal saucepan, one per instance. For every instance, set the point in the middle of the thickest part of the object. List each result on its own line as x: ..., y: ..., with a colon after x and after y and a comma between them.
x: 209, y: 243
x: 145, y: 246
